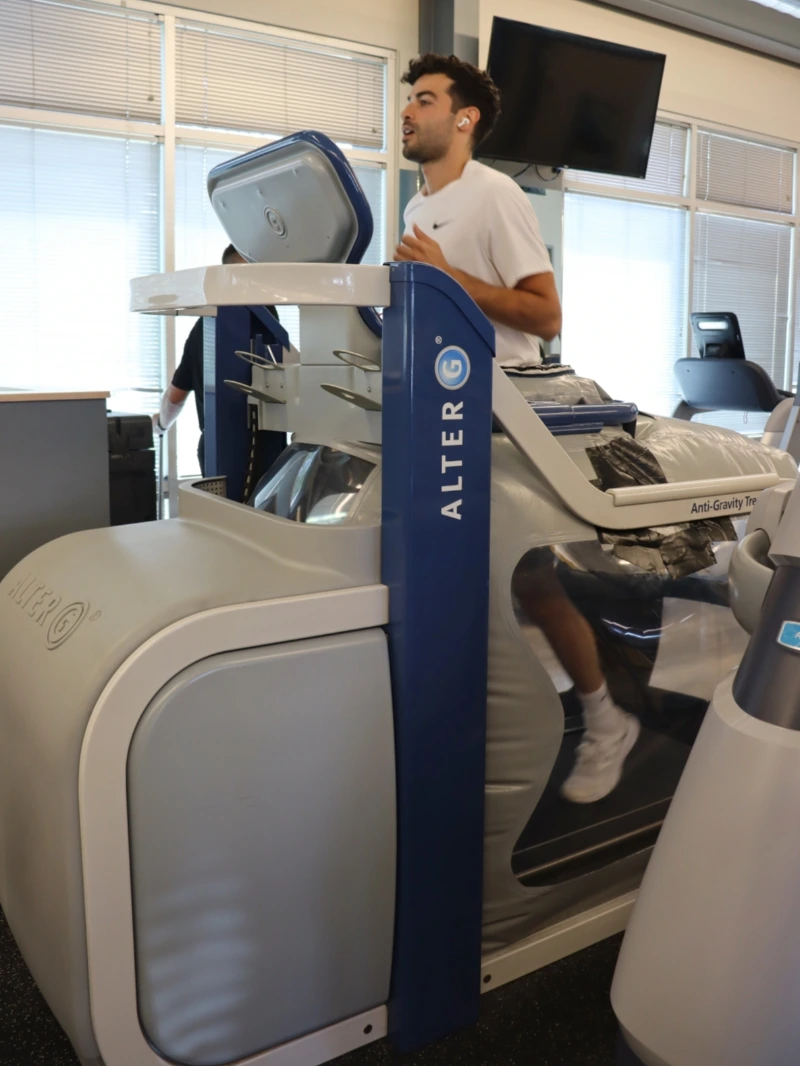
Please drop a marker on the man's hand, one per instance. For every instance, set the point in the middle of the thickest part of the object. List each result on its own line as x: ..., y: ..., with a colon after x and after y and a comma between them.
x: 421, y: 249
x: 532, y: 306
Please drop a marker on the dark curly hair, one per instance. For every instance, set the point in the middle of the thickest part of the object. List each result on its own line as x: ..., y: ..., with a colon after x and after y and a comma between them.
x: 471, y: 87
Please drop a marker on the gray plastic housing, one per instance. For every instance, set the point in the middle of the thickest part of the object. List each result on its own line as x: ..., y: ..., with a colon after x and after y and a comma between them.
x: 284, y: 205
x: 749, y: 578
x: 707, y: 974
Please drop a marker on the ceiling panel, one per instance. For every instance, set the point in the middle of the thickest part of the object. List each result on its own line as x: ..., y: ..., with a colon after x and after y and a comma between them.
x: 768, y: 26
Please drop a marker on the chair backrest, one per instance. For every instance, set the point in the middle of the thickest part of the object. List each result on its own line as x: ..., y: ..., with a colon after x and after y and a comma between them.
x: 717, y: 335
x: 714, y: 384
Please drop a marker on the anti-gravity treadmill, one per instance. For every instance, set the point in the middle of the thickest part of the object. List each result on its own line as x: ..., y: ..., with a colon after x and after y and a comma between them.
x: 280, y: 775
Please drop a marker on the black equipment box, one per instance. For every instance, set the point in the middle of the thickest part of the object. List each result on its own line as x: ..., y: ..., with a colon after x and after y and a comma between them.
x: 132, y: 469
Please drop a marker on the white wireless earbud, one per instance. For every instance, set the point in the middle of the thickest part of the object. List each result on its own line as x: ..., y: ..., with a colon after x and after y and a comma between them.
x: 463, y: 122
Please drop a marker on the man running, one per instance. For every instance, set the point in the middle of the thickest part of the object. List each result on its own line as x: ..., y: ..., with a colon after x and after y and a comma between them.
x: 478, y: 226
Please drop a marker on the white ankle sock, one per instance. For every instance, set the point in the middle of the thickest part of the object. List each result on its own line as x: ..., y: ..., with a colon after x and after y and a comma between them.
x: 600, y: 713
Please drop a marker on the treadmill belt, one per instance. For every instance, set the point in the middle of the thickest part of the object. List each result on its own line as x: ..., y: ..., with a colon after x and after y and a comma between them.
x: 565, y: 840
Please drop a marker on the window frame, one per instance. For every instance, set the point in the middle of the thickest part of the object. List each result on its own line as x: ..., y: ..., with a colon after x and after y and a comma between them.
x: 694, y: 205
x: 169, y: 135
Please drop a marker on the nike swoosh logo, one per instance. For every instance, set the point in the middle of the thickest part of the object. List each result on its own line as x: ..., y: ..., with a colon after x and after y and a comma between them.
x: 438, y: 225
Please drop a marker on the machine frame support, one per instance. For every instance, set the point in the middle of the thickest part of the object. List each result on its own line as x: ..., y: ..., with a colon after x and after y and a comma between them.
x: 227, y: 436
x: 435, y: 562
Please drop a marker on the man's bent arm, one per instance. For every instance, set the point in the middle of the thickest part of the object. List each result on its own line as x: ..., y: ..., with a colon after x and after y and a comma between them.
x: 532, y: 307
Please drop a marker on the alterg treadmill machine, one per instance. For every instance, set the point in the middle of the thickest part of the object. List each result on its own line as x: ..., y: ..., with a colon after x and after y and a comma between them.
x: 201, y: 778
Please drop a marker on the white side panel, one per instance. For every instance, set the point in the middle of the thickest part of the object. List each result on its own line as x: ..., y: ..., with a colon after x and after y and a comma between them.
x: 556, y: 943
x: 327, y: 1044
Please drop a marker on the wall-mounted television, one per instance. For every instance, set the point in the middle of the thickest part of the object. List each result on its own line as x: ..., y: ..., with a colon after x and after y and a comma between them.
x: 571, y: 101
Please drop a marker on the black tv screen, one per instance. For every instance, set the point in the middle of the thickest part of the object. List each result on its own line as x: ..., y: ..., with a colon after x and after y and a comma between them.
x: 570, y: 101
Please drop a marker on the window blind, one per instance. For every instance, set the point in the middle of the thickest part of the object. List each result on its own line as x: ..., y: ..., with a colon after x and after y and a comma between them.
x: 372, y: 180
x: 742, y: 265
x: 735, y: 171
x: 666, y: 168
x: 234, y: 80
x: 625, y: 298
x: 80, y: 57
x: 80, y: 217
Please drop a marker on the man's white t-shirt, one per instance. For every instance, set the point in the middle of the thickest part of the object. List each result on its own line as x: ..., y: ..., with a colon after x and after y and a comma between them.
x: 486, y: 227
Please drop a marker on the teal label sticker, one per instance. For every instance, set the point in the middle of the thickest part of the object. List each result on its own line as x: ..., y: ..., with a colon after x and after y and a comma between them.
x: 789, y: 635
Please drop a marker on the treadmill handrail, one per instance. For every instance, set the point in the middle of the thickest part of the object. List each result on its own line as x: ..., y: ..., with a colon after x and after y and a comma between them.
x: 204, y: 289
x: 683, y: 490
x: 637, y: 507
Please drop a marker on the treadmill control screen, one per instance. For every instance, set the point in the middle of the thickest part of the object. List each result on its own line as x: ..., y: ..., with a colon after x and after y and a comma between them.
x: 312, y: 483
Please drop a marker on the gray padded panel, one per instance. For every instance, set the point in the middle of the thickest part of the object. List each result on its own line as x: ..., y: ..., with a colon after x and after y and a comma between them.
x: 130, y: 582
x: 525, y: 719
x: 262, y: 813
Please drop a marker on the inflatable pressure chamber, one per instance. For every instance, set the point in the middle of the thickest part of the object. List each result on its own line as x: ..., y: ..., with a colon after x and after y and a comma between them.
x: 281, y: 775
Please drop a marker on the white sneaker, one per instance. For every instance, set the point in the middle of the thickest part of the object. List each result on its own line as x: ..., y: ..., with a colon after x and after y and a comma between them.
x: 598, y: 763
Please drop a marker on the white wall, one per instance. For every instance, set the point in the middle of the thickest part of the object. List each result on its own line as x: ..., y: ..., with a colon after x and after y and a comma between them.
x: 550, y: 213
x: 385, y: 23
x: 703, y: 79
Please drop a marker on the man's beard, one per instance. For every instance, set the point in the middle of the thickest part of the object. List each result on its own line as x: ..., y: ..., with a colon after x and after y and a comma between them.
x: 422, y: 153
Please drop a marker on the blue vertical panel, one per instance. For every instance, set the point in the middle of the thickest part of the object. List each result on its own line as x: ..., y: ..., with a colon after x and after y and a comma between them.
x: 272, y: 333
x: 227, y: 439
x: 226, y: 434
x: 437, y: 419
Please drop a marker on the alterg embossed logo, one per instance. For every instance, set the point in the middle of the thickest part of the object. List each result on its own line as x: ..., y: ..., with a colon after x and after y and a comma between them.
x: 37, y: 599
x: 275, y: 221
x: 65, y: 623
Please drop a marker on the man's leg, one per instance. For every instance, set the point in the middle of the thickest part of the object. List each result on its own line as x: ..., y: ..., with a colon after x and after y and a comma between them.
x: 610, y: 733
x: 569, y: 634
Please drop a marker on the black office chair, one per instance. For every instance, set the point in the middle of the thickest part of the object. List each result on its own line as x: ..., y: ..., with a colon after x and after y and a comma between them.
x: 722, y: 379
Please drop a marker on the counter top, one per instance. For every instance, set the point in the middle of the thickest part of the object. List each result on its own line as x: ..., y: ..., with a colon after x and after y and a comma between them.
x: 21, y: 396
